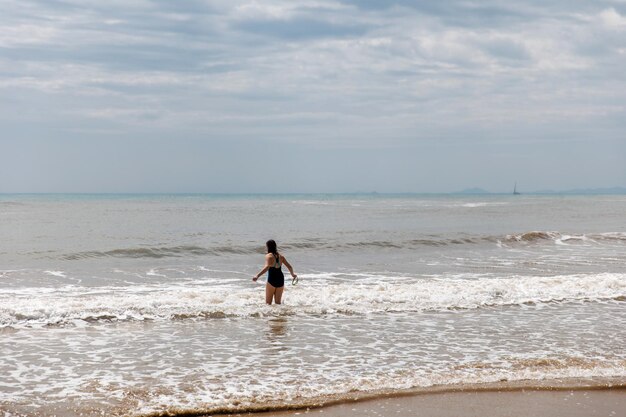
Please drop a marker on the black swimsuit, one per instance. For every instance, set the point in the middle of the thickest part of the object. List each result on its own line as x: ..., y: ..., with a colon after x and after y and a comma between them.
x: 275, y: 275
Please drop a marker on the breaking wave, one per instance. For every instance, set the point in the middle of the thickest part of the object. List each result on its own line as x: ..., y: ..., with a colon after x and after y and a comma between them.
x: 317, y: 295
x: 431, y: 241
x: 538, y: 236
x: 160, y: 252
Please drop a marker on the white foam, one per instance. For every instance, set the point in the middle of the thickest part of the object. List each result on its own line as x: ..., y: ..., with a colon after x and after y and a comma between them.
x: 479, y: 204
x: 474, y: 205
x: 248, y: 393
x: 316, y: 294
x: 59, y: 274
x: 565, y: 239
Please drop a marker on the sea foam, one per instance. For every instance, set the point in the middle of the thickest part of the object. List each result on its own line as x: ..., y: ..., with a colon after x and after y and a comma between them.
x: 317, y: 294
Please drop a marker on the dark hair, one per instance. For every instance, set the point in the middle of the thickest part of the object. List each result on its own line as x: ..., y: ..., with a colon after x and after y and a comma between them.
x: 271, y: 246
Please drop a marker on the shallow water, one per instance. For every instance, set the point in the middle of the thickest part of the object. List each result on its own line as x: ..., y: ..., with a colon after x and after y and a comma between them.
x: 137, y: 304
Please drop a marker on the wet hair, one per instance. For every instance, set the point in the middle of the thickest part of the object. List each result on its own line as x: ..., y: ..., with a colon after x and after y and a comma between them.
x: 271, y: 247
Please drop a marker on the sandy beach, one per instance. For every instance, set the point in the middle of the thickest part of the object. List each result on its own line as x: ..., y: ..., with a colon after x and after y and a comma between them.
x: 518, y: 403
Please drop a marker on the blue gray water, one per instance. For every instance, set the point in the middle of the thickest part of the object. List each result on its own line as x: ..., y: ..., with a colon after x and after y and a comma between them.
x: 131, y: 304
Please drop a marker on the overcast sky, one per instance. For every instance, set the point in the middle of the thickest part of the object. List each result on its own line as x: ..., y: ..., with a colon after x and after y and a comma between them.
x: 311, y: 95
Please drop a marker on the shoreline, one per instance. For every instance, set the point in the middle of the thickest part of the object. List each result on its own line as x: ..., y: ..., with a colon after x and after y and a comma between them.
x: 509, y: 403
x: 361, y: 402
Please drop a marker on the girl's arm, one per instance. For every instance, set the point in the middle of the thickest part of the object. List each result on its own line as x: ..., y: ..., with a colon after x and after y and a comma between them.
x: 264, y: 270
x: 288, y: 265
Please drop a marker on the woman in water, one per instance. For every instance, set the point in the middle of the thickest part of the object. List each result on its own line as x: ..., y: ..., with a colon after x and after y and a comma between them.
x: 275, y: 278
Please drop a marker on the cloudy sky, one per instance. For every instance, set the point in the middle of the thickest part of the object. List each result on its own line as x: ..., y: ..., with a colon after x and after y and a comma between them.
x: 311, y: 95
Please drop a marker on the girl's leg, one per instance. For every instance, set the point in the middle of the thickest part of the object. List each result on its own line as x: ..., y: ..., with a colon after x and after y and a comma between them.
x: 278, y: 295
x: 269, y: 293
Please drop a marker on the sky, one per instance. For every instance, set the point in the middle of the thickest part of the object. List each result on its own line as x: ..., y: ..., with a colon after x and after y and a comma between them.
x: 267, y: 96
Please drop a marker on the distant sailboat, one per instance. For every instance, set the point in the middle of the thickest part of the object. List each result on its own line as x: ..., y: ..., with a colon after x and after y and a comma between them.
x: 515, y: 192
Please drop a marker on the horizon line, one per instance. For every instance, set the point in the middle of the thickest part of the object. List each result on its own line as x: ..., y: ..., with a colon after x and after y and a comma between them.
x: 466, y: 192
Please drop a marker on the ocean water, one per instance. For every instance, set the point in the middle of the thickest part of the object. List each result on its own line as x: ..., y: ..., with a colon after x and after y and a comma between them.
x: 144, y: 304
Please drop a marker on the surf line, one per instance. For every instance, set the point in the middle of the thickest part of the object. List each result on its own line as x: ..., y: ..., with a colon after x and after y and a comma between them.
x: 564, y: 384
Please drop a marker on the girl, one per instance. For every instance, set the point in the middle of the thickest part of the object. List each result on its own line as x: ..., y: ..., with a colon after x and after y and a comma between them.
x: 275, y: 278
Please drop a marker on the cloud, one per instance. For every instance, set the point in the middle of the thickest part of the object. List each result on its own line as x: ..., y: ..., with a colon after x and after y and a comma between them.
x: 612, y: 19
x: 319, y: 73
x: 296, y: 29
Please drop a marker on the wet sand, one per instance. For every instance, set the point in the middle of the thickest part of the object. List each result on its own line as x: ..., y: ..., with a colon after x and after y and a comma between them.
x: 521, y: 403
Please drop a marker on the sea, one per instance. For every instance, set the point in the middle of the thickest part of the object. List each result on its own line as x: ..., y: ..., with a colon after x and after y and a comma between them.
x: 144, y: 305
